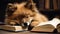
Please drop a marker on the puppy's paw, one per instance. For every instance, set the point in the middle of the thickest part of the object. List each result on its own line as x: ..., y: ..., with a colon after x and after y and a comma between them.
x: 34, y: 23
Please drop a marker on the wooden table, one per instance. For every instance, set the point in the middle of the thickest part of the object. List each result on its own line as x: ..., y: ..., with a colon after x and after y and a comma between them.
x: 24, y: 32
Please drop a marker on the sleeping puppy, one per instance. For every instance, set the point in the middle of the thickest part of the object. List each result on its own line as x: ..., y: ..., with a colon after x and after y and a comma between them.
x: 19, y: 14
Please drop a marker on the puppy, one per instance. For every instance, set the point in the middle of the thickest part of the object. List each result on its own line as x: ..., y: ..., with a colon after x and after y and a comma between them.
x: 19, y: 14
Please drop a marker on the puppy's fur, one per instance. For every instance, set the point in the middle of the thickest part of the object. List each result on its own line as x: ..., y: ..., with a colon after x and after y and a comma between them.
x: 21, y: 14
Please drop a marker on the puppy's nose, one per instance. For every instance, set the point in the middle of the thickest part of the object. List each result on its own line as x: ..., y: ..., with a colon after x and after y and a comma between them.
x: 25, y: 24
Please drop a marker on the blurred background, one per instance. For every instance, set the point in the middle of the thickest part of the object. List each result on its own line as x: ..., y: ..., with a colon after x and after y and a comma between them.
x: 50, y: 8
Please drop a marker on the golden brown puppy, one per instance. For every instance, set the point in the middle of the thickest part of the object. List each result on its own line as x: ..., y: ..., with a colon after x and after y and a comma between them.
x: 21, y: 14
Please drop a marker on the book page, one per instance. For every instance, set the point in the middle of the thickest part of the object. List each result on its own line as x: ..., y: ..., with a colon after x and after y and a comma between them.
x: 54, y: 22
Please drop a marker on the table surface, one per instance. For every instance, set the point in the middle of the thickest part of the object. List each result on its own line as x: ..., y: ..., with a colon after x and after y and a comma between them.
x: 24, y: 32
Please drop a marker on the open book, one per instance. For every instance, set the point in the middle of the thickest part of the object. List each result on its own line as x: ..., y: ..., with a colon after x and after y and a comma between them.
x: 49, y: 26
x: 12, y: 28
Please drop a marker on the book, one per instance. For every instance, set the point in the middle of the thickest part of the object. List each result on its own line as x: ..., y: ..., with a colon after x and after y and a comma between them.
x: 12, y: 28
x: 49, y: 26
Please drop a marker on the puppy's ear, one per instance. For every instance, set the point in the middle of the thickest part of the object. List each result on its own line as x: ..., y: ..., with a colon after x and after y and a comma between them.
x: 28, y: 5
